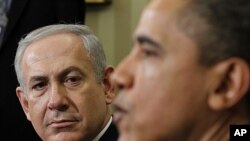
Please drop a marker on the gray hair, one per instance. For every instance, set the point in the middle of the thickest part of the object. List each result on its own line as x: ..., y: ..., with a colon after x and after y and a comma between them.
x: 90, y: 42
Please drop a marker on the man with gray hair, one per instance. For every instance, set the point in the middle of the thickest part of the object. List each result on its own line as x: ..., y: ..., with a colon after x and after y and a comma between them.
x: 65, y: 88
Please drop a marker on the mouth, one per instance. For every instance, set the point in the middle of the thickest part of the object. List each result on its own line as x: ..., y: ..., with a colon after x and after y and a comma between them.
x: 62, y: 123
x: 119, y: 114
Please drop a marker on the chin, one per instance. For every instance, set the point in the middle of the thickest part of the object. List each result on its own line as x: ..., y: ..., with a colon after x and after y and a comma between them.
x: 66, y: 137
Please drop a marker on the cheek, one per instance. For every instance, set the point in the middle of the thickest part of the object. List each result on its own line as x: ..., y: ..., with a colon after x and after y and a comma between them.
x: 38, y: 107
x: 150, y: 88
x: 163, y: 100
x: 91, y: 105
x: 37, y: 113
x: 149, y: 99
x: 90, y: 97
x: 150, y: 110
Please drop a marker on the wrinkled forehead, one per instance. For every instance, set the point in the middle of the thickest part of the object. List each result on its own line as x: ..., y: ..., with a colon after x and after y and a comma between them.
x: 63, y: 44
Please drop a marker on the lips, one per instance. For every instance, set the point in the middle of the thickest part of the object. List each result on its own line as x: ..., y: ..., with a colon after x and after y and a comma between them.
x: 120, y: 112
x: 63, y: 123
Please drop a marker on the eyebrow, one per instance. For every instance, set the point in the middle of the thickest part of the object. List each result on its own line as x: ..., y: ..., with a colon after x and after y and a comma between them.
x: 61, y: 74
x: 38, y: 78
x: 145, y: 39
x: 71, y: 69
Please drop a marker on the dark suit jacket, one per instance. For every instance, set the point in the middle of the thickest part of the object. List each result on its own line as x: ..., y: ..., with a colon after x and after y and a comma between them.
x: 24, y: 16
x: 111, y: 134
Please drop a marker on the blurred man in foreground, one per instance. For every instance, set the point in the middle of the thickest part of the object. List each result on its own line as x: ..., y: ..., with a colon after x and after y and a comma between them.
x: 187, y: 77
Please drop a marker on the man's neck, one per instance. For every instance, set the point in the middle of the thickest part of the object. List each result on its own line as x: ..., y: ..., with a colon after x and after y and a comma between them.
x: 219, y: 130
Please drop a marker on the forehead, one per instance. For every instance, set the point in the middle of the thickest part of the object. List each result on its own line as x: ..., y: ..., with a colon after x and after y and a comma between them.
x: 55, y: 52
x: 52, y: 46
x: 159, y: 17
x: 169, y: 6
x: 159, y: 23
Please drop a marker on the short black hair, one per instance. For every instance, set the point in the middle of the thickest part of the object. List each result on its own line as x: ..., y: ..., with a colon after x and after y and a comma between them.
x: 221, y: 29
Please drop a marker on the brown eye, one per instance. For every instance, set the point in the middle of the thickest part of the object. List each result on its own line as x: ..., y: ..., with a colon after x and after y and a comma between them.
x: 39, y: 86
x: 72, y: 81
x: 148, y: 53
x: 148, y: 46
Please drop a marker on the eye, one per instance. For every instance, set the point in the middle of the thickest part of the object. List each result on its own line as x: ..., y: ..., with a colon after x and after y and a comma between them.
x: 39, y: 86
x: 148, y: 52
x: 148, y: 46
x: 72, y: 81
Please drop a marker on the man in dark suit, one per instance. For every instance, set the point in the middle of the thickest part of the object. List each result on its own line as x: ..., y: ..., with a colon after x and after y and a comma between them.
x: 65, y: 89
x: 24, y: 16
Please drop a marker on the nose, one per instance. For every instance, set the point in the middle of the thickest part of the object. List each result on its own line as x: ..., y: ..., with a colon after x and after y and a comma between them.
x: 58, y: 98
x: 123, y: 77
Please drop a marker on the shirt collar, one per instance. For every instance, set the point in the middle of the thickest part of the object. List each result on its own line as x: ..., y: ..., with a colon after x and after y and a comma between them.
x: 97, y: 138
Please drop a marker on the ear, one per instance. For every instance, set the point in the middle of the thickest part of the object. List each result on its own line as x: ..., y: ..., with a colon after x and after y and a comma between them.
x: 23, y: 101
x: 108, y: 86
x: 231, y: 85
